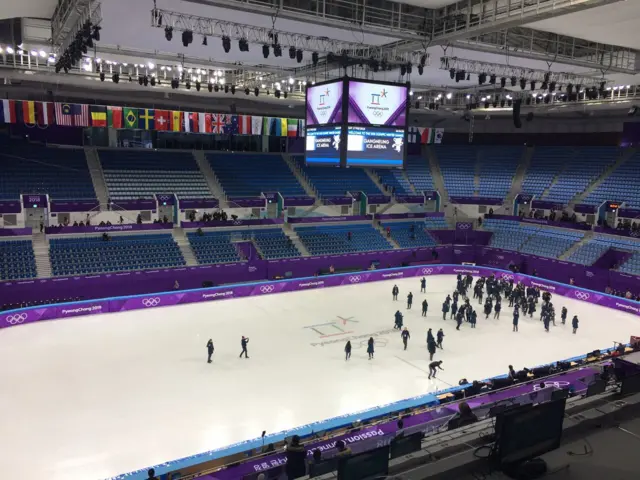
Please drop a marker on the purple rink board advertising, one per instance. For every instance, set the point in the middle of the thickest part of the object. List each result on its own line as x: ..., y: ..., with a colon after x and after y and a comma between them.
x: 615, y: 231
x: 75, y: 206
x: 15, y: 232
x: 344, y: 218
x: 541, y: 221
x: 233, y: 223
x: 119, y: 304
x: 403, y: 216
x: 299, y: 201
x: 476, y: 201
x: 194, y: 203
x: 125, y: 227
x: 10, y: 206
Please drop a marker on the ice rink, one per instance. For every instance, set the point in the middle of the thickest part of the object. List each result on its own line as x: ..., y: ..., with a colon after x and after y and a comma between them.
x: 91, y: 397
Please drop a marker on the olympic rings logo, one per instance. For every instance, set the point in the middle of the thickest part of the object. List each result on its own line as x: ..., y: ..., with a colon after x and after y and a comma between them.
x: 427, y: 271
x: 355, y: 278
x: 581, y: 295
x: 377, y: 113
x: 464, y: 226
x: 557, y: 384
x: 16, y: 319
x: 507, y: 276
x: 151, y: 302
x: 163, y: 197
x: 635, y: 234
x: 590, y: 274
x: 267, y: 288
x: 237, y: 222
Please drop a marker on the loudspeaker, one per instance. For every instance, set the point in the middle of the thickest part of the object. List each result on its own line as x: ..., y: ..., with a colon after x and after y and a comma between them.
x: 207, y: 284
x: 516, y: 114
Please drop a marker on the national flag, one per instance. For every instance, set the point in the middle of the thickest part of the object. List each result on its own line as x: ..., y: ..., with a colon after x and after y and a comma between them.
x: 190, y: 122
x: 231, y: 127
x: 292, y: 127
x: 218, y: 121
x: 302, y: 128
x: 146, y: 119
x: 98, y: 116
x: 130, y: 117
x: 176, y: 121
x: 439, y: 135
x: 8, y: 114
x: 284, y: 125
x: 276, y: 127
x: 44, y: 113
x: 72, y: 114
x: 114, y: 117
x: 29, y: 112
x: 161, y: 119
x: 244, y: 125
x: 413, y: 134
x: 256, y: 125
x: 80, y: 114
x: 204, y: 122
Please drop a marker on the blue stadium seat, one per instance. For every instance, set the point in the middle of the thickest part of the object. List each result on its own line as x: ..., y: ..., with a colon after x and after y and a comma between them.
x: 62, y: 173
x: 394, y: 179
x: 419, y: 173
x: 406, y: 238
x: 623, y: 185
x: 338, y: 181
x: 88, y: 255
x: 136, y: 174
x: 327, y: 240
x: 249, y: 175
x: 17, y: 260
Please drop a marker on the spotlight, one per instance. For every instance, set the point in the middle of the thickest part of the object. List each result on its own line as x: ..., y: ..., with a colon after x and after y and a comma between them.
x: 187, y: 84
x: 233, y: 89
x: 513, y: 81
x: 152, y: 81
x: 299, y: 55
x: 226, y: 89
x: 292, y: 53
x: 420, y: 69
x: 482, y: 78
x: 102, y: 76
x: 115, y: 78
x: 523, y: 84
x: 96, y: 31
x: 276, y: 93
x: 140, y: 80
x: 285, y: 94
x: 216, y: 88
x: 314, y: 58
x: 533, y: 84
x: 204, y: 41
x: 423, y: 60
x: 174, y: 83
x: 210, y: 87
x: 570, y: 88
x: 277, y: 50
x: 452, y: 73
x: 544, y: 85
x: 187, y: 38
x: 247, y: 91
x: 503, y: 82
x: 552, y: 87
x: 265, y: 51
x: 226, y: 44
x: 256, y: 91
x: 198, y: 85
x: 403, y: 70
x: 243, y: 45
x: 492, y: 79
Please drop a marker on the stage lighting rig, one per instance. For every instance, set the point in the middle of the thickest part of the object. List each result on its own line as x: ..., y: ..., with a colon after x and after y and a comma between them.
x: 187, y: 38
x: 514, y: 80
x: 168, y: 33
x: 292, y: 52
x: 226, y: 44
x: 503, y: 82
x: 314, y: 58
x: 492, y: 79
x: 205, y: 42
x: 265, y: 51
x: 243, y: 45
x: 299, y: 55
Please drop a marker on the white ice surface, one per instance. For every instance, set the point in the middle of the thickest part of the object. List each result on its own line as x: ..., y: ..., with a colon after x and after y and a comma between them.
x: 90, y: 397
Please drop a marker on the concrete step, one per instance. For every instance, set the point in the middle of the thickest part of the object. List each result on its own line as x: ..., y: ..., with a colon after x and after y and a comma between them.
x: 295, y: 239
x: 184, y: 246
x: 518, y: 178
x: 300, y: 176
x: 587, y: 236
x: 97, y: 176
x: 436, y: 173
x: 41, y: 253
x: 212, y: 181
x: 383, y: 232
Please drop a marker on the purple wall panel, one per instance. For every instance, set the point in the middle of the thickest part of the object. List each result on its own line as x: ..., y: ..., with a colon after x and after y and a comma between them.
x: 233, y: 223
x: 127, y: 227
x: 10, y: 206
x: 14, y: 232
x: 345, y: 218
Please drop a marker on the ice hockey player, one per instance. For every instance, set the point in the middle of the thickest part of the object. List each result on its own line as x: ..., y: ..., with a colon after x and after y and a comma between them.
x: 395, y: 291
x: 574, y: 323
x: 409, y: 300
x: 439, y: 337
x: 423, y: 285
x: 243, y: 343
x: 209, y: 350
x: 398, y: 320
x: 405, y: 337
x: 425, y: 307
x: 564, y: 315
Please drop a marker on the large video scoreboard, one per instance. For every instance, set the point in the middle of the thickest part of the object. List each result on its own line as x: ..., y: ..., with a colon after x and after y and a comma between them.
x: 354, y: 122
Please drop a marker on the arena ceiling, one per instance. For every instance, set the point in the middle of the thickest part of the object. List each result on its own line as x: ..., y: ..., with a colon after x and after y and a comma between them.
x: 595, y: 39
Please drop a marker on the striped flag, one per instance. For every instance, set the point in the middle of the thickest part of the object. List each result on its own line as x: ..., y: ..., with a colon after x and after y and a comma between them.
x: 81, y: 115
x: 176, y: 121
x: 302, y: 128
x: 244, y: 125
x: 8, y: 114
x: 204, y: 122
x: 98, y: 116
x: 190, y: 122
x: 64, y: 115
x: 114, y: 117
x: 44, y: 113
x: 292, y: 127
x: 256, y: 125
x: 29, y: 112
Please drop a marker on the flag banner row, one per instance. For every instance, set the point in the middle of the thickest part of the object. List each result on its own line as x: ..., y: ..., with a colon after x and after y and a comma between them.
x: 81, y: 115
x: 425, y: 135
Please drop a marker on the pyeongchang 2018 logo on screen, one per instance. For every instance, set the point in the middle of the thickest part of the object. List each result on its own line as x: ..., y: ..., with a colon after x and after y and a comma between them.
x: 377, y: 104
x: 324, y: 104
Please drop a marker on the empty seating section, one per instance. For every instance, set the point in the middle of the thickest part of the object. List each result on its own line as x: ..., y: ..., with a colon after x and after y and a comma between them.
x: 61, y: 172
x: 419, y: 173
x: 136, y: 174
x: 580, y: 170
x: 248, y: 175
x: 85, y: 255
x: 497, y: 168
x: 632, y: 265
x: 544, y: 242
x: 326, y: 240
x: 457, y: 164
x: 273, y: 243
x: 17, y: 260
x: 436, y: 223
x: 215, y: 247
x: 394, y: 179
x: 546, y: 163
x: 622, y: 185
x: 337, y: 182
x: 402, y: 233
x: 589, y: 252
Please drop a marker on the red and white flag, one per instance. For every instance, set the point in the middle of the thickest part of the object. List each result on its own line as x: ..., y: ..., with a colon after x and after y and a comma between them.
x: 244, y: 125
x: 45, y: 114
x: 204, y: 122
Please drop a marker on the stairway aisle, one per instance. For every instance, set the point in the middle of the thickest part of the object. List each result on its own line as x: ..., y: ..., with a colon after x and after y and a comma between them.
x: 97, y: 177
x: 41, y: 253
x: 185, y: 247
x: 212, y: 181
